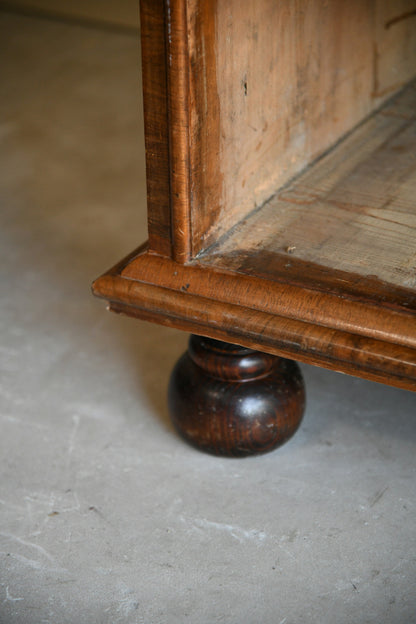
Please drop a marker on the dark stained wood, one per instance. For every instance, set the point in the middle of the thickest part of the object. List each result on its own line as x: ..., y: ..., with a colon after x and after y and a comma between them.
x: 347, y: 354
x: 155, y: 104
x: 181, y: 129
x: 232, y: 401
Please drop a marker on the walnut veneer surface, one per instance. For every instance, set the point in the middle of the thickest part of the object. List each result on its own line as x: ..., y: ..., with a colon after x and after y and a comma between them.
x: 279, y: 219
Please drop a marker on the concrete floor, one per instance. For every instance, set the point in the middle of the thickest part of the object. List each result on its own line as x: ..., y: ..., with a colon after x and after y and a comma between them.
x: 106, y: 516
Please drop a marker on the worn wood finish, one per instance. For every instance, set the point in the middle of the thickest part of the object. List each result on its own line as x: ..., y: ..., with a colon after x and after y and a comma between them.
x: 155, y: 105
x: 232, y: 401
x: 207, y: 180
x: 253, y: 91
x: 353, y: 212
x: 177, y: 53
x: 265, y: 316
x: 307, y: 276
x: 292, y: 78
x: 239, y: 97
x: 393, y: 323
x: 279, y: 220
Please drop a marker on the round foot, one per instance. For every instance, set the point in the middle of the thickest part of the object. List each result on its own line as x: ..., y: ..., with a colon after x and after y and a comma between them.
x: 232, y: 401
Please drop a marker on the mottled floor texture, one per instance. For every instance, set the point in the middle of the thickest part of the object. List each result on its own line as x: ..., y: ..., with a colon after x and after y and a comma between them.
x: 106, y: 516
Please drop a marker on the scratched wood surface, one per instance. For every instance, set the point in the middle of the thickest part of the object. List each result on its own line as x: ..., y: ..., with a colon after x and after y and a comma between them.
x: 241, y: 95
x: 356, y: 337
x: 275, y: 85
x: 353, y: 212
x: 244, y: 95
x: 323, y: 273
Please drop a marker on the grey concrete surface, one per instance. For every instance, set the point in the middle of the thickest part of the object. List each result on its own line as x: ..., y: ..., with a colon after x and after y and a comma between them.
x: 105, y: 515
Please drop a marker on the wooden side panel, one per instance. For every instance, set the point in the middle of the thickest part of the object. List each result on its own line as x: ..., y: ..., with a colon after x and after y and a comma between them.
x: 155, y: 103
x: 274, y: 85
x: 241, y: 95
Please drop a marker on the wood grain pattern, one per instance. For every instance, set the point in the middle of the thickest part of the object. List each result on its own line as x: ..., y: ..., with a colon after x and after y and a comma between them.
x: 241, y: 95
x: 177, y: 52
x: 353, y: 212
x: 359, y: 338
x: 365, y: 317
x: 231, y: 401
x: 206, y: 175
x: 155, y: 105
x: 324, y: 272
x: 291, y: 79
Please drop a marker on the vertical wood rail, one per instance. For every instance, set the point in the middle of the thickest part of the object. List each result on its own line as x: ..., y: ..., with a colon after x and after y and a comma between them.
x: 178, y: 111
x: 155, y: 109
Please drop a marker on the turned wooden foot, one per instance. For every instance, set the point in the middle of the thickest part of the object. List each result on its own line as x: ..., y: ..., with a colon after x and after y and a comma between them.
x: 228, y: 400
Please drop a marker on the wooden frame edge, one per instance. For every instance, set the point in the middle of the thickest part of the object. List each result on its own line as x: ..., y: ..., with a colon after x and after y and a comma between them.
x: 305, y: 341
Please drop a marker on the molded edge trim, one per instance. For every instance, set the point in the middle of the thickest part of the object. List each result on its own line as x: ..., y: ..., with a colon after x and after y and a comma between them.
x: 222, y: 315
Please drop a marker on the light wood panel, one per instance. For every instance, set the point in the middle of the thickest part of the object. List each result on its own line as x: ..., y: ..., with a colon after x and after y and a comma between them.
x: 353, y: 212
x: 250, y: 93
x: 290, y: 78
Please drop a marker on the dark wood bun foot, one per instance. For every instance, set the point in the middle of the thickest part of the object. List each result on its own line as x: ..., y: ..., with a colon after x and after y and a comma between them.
x: 232, y: 401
